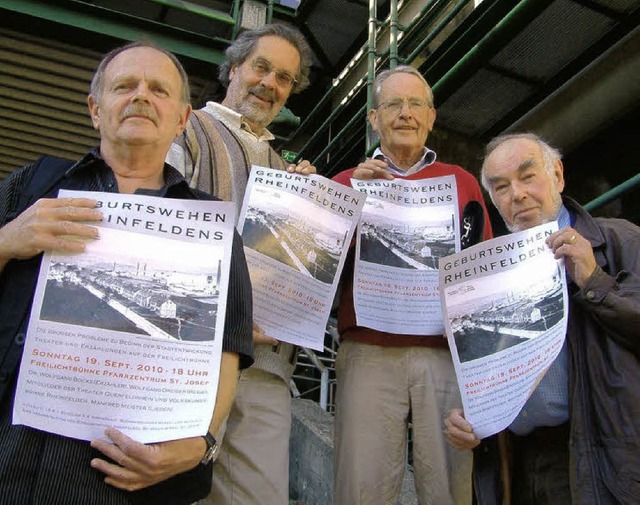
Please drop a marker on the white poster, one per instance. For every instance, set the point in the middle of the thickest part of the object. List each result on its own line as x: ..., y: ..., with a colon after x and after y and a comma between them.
x: 128, y: 334
x: 406, y: 227
x: 296, y: 232
x: 505, y: 306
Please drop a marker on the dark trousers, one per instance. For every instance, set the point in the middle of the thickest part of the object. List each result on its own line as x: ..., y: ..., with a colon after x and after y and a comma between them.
x: 540, y: 467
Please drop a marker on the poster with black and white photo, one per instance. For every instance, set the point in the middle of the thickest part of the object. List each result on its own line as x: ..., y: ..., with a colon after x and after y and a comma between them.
x: 505, y: 307
x: 128, y: 333
x: 406, y: 227
x: 296, y: 232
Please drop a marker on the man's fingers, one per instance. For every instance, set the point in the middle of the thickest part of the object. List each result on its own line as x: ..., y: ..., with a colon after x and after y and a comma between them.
x: 126, y: 444
x: 304, y: 167
x: 82, y: 214
x: 366, y: 173
x: 117, y: 476
x: 125, y: 452
x: 374, y: 162
x: 68, y: 213
x: 76, y: 229
x: 121, y: 446
x: 65, y: 236
x: 565, y: 237
x: 62, y: 209
x: 459, y: 423
x: 372, y: 169
x: 67, y: 202
x: 262, y: 339
x: 462, y: 441
x: 458, y: 431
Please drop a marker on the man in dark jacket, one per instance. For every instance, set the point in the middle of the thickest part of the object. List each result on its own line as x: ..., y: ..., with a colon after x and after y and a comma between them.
x: 139, y: 102
x: 577, y: 439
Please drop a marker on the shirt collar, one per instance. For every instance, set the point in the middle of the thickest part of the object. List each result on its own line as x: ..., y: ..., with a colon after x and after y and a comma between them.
x: 564, y: 218
x: 428, y: 157
x: 235, y: 120
x: 94, y: 161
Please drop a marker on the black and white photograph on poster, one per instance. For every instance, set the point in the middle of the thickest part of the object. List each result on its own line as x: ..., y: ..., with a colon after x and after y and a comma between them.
x: 498, y: 313
x: 417, y: 241
x: 117, y: 288
x: 505, y: 307
x: 133, y: 325
x: 295, y: 232
x: 407, y: 227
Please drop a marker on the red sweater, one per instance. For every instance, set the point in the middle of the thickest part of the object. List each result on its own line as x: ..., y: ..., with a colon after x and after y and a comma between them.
x: 468, y: 190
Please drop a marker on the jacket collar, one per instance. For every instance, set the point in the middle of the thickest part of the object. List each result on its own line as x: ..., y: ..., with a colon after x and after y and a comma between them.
x: 173, y: 180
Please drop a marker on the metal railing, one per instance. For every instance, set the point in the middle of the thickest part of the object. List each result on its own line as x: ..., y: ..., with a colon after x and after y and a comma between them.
x: 314, y: 377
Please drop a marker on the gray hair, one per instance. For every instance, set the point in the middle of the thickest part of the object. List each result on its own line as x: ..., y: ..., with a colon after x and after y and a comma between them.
x: 550, y: 155
x: 97, y: 83
x: 400, y: 69
x: 239, y: 51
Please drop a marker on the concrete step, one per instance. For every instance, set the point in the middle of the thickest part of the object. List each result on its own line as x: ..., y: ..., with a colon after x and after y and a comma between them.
x: 311, y: 458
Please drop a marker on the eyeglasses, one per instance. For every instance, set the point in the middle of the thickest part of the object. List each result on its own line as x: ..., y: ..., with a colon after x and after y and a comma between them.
x: 262, y: 67
x: 396, y: 104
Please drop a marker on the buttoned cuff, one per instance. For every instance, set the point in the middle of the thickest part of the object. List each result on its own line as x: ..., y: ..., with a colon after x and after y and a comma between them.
x: 598, y: 286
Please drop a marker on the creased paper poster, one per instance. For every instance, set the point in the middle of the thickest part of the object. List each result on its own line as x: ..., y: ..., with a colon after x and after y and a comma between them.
x: 505, y: 306
x: 296, y: 231
x: 128, y: 333
x: 406, y: 227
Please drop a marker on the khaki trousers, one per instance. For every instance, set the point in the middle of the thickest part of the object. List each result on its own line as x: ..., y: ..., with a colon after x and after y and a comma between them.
x: 378, y: 388
x: 253, y: 465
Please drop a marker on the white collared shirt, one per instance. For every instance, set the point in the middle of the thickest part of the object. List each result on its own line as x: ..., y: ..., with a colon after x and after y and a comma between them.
x: 428, y: 157
x: 235, y: 121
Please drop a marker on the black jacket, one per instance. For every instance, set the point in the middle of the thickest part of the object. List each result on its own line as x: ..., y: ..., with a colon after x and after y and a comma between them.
x: 604, y: 374
x: 57, y: 469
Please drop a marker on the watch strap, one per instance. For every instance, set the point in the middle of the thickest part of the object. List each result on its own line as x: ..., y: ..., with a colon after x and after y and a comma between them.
x: 212, y: 448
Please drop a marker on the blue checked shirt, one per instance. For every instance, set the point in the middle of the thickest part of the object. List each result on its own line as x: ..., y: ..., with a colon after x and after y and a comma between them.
x: 548, y: 405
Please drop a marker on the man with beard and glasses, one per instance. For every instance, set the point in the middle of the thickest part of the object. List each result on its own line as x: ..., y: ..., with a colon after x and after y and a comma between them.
x: 577, y: 438
x: 139, y: 102
x: 221, y: 142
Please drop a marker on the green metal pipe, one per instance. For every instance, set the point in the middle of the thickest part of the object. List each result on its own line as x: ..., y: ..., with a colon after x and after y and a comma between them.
x: 416, y: 24
x: 509, y: 26
x: 613, y: 193
x: 269, y: 12
x: 393, y: 35
x: 504, y: 31
x: 418, y: 19
x: 432, y: 35
x: 371, y: 59
x: 352, y: 121
x: 326, y: 122
x: 323, y: 101
x: 199, y: 10
x: 284, y: 12
x: 458, y: 7
x: 122, y: 26
x: 236, y: 19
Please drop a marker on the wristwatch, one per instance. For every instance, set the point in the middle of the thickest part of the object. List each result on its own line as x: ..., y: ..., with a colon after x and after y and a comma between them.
x: 212, y: 448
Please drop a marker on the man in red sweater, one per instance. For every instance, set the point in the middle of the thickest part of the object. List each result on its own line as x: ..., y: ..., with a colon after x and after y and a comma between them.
x: 386, y: 380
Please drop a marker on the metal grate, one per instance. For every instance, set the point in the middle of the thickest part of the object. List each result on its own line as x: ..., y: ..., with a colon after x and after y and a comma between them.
x: 465, y: 114
x: 528, y: 55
